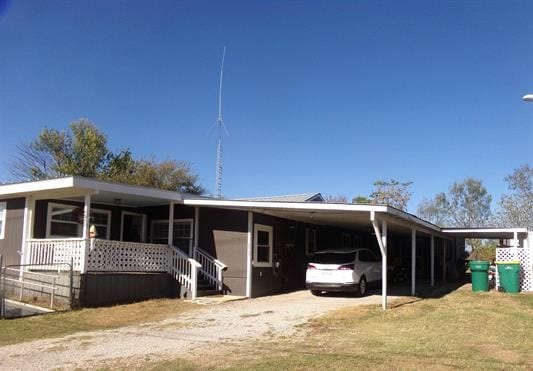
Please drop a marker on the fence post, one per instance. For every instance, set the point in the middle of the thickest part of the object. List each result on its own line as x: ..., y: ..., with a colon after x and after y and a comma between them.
x: 52, y: 294
x: 71, y: 278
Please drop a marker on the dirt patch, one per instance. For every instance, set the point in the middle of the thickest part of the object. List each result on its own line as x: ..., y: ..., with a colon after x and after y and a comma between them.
x: 493, y: 351
x: 229, y: 325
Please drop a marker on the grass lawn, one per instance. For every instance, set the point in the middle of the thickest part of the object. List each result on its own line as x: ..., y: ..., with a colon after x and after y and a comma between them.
x: 461, y: 330
x: 65, y: 323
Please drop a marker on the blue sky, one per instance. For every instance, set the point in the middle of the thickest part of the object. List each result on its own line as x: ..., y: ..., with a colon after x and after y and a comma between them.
x: 318, y: 96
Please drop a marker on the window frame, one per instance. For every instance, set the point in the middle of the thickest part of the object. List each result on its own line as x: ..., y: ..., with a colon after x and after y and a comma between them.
x: 270, y: 230
x: 307, y: 240
x: 3, y: 217
x: 80, y: 226
x: 165, y: 221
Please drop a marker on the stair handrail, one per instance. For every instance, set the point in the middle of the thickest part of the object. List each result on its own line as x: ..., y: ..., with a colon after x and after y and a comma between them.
x: 184, y: 269
x: 209, y: 262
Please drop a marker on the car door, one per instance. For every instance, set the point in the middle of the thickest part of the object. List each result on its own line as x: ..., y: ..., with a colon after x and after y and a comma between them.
x: 375, y: 266
x: 369, y: 265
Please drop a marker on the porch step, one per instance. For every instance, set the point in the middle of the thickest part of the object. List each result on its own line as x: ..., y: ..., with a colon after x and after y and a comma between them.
x: 212, y: 292
x: 205, y: 288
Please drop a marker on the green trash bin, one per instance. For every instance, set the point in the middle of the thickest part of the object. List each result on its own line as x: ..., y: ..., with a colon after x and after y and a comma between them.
x: 480, y: 275
x: 509, y: 273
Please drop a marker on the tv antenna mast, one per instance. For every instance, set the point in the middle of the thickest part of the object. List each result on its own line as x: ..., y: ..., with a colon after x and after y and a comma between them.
x: 221, y: 127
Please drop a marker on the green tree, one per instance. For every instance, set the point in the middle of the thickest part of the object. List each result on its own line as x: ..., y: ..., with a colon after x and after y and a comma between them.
x: 466, y: 205
x: 516, y: 208
x: 83, y: 152
x: 392, y: 193
x: 361, y: 200
x: 169, y: 174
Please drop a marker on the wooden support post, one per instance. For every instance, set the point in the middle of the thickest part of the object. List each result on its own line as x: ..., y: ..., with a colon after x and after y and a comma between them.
x: 85, y: 234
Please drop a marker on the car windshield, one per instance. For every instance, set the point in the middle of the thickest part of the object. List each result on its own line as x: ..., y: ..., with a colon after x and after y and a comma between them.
x: 334, y: 258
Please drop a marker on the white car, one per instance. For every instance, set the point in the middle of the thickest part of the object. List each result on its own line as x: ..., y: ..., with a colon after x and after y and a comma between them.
x: 343, y: 270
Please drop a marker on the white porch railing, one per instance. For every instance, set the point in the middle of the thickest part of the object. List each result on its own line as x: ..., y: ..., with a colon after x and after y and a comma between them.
x: 48, y: 254
x: 115, y: 256
x: 211, y: 268
x: 183, y: 269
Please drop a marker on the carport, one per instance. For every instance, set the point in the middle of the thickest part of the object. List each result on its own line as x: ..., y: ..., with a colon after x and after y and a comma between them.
x: 378, y: 220
x: 516, y: 236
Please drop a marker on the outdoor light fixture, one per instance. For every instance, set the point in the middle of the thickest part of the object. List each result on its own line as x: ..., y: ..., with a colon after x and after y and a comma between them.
x: 117, y: 201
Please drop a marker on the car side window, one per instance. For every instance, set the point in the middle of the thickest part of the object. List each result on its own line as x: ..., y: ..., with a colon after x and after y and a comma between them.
x: 367, y: 256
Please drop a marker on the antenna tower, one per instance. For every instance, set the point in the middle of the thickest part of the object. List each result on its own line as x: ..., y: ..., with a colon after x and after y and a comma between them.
x: 221, y: 126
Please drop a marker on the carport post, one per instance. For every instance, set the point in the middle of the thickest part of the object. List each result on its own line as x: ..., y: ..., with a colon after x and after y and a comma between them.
x: 432, y: 253
x: 413, y: 261
x: 382, y: 242
x: 249, y: 255
x: 384, y: 265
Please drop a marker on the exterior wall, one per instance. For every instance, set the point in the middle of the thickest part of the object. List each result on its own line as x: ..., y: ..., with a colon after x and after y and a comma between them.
x: 223, y: 234
x: 12, y: 241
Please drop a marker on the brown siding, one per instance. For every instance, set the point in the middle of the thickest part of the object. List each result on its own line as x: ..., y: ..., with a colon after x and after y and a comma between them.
x: 12, y: 241
x: 223, y: 234
x: 99, y: 289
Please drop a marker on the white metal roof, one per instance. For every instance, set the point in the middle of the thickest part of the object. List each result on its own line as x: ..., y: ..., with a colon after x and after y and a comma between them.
x: 102, y: 191
x: 302, y: 197
x: 339, y: 214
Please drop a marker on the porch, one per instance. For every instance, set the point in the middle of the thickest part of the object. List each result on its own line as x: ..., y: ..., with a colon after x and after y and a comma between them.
x: 99, y: 255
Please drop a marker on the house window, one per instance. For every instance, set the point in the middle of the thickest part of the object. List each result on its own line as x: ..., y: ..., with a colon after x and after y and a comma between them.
x: 182, y: 233
x: 3, y: 208
x: 310, y: 241
x: 346, y: 242
x: 65, y: 221
x: 262, y: 245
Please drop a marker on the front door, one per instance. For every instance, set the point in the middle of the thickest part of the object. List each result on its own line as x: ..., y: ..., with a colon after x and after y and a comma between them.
x: 133, y: 227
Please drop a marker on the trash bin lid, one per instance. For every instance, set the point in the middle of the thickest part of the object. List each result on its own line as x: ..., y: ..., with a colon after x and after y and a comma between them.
x: 509, y: 262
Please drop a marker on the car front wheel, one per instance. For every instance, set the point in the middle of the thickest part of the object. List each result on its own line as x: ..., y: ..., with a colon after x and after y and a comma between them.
x: 362, y: 286
x: 316, y: 292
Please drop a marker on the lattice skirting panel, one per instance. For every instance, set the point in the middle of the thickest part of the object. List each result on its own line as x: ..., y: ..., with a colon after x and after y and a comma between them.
x: 118, y: 256
x: 526, y: 262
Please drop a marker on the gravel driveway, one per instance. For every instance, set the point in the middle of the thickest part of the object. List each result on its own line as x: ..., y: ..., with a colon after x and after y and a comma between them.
x: 186, y: 336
